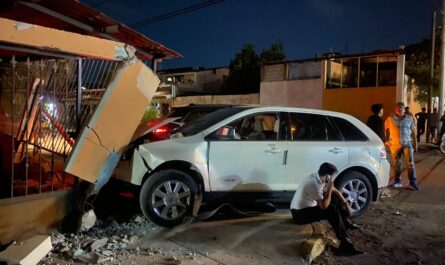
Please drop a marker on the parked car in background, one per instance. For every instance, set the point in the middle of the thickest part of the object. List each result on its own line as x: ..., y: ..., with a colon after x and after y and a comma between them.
x: 257, y: 154
x: 161, y: 129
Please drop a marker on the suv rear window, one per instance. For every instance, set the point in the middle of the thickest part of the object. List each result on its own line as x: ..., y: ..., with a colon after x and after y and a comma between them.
x: 350, y: 131
x: 311, y: 127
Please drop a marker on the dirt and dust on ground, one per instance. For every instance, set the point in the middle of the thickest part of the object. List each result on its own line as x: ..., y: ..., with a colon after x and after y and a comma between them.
x: 118, y: 237
x: 404, y: 227
x: 123, y: 236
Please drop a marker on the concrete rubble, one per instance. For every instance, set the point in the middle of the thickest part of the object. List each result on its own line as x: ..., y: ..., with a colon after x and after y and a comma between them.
x: 103, y: 244
x: 27, y: 252
x: 100, y: 244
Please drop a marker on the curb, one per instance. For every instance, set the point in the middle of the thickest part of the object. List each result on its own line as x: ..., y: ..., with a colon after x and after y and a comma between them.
x: 315, y: 245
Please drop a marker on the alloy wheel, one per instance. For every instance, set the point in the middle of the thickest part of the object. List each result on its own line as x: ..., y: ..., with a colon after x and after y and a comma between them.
x: 356, y: 194
x: 171, y: 199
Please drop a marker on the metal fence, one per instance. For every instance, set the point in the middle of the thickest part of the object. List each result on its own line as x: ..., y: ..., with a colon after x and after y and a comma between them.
x: 43, y: 105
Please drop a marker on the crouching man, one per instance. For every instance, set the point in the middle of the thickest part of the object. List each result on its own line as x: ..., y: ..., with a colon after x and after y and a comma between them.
x: 317, y: 199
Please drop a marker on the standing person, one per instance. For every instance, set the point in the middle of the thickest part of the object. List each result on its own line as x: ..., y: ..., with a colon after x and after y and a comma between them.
x: 421, y: 121
x: 375, y: 121
x: 442, y: 128
x: 310, y: 204
x: 433, y: 120
x: 400, y: 134
x: 409, y: 113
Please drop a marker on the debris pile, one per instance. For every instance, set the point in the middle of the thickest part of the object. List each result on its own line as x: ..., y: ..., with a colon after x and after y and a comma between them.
x: 101, y: 243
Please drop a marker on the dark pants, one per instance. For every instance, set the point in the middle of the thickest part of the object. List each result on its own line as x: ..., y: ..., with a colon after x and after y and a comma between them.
x: 336, y: 214
x: 420, y: 130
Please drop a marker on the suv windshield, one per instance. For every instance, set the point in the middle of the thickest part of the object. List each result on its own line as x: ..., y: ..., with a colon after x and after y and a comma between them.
x: 205, y: 122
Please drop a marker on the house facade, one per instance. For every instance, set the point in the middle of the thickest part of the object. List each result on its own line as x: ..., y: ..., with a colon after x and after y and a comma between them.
x: 349, y: 84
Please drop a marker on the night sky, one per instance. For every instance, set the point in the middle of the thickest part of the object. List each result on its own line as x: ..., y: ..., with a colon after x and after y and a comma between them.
x: 211, y: 36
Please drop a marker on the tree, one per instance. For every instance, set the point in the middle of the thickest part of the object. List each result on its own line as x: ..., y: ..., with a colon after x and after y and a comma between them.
x: 274, y: 54
x: 418, y: 64
x: 245, y: 68
x: 244, y: 74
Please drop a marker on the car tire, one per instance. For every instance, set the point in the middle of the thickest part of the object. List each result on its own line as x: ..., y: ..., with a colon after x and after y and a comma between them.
x: 357, y: 190
x: 167, y: 197
x: 442, y: 147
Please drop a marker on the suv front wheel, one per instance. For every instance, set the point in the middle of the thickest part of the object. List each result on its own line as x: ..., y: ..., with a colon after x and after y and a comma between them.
x: 356, y: 189
x: 167, y: 197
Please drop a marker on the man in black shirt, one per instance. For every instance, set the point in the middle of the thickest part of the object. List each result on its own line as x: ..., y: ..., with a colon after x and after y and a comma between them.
x: 421, y: 121
x: 375, y: 121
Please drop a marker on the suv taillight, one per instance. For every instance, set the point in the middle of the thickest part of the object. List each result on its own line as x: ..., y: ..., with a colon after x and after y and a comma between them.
x: 161, y: 131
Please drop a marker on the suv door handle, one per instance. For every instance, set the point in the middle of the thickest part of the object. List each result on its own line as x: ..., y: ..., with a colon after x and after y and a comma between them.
x: 336, y: 150
x: 273, y: 151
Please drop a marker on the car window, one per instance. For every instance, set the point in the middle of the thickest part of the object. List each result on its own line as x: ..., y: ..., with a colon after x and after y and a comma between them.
x: 254, y: 127
x: 311, y: 127
x: 209, y: 120
x: 349, y: 131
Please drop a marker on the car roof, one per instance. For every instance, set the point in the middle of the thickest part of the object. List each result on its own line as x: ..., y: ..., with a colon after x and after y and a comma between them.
x: 292, y: 109
x: 204, y: 106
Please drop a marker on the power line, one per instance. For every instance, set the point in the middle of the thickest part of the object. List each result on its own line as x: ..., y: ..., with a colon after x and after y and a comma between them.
x: 439, y: 7
x: 174, y: 13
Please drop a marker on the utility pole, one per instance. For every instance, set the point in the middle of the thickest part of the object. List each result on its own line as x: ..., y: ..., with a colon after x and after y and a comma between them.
x: 430, y: 91
x: 442, y: 64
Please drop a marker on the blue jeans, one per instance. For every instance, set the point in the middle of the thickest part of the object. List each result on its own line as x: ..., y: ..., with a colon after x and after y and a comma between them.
x: 408, y: 154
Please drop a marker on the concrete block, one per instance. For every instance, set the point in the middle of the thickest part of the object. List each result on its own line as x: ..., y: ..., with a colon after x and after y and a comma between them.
x: 28, y: 252
x: 312, y: 248
x: 114, y: 121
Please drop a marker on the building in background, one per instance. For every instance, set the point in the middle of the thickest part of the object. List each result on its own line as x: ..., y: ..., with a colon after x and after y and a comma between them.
x: 189, y: 81
x: 349, y: 84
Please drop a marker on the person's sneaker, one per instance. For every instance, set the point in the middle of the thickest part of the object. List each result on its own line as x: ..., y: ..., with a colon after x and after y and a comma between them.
x: 354, y: 226
x: 415, y: 186
x: 347, y: 249
x: 397, y: 184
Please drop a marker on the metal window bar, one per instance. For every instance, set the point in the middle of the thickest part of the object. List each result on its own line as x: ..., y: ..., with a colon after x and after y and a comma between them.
x: 43, y: 115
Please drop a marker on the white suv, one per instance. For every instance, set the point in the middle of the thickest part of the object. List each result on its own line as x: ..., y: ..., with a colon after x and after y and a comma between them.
x: 247, y: 154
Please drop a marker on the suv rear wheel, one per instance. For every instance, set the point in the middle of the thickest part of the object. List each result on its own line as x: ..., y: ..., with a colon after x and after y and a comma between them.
x: 167, y: 197
x: 356, y: 189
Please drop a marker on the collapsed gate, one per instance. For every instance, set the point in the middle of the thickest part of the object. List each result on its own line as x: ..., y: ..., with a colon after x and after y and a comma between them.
x: 43, y: 105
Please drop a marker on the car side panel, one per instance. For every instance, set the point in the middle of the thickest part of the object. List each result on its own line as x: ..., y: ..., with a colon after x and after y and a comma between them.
x: 155, y: 154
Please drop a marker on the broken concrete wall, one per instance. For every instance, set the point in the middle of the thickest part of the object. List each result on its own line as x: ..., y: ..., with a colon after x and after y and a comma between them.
x: 23, y: 216
x: 113, y: 123
x: 20, y: 33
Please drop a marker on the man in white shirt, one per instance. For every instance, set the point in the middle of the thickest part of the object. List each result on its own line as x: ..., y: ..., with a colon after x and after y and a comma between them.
x: 311, y: 204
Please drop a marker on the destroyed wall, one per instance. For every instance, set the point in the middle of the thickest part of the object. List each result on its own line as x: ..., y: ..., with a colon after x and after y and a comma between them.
x: 38, y: 99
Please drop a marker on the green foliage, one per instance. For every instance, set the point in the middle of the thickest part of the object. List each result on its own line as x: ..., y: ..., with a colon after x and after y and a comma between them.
x: 274, y: 54
x: 151, y: 113
x: 244, y: 74
x: 418, y: 64
x: 245, y: 68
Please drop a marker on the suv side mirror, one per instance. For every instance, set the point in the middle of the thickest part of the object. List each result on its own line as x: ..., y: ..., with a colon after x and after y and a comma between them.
x: 225, y: 133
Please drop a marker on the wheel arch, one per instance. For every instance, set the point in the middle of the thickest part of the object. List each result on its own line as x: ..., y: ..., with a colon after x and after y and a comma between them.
x: 183, y: 166
x: 368, y: 174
